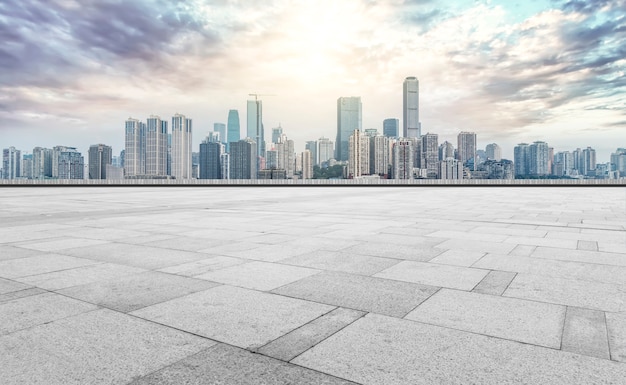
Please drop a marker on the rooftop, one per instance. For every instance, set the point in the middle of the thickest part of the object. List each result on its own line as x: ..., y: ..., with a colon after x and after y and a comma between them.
x: 306, y: 285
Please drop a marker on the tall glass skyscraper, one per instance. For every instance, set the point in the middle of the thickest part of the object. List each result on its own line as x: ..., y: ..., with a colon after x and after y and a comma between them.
x: 349, y: 118
x: 181, y: 147
x: 411, y: 115
x: 221, y: 129
x: 156, y: 146
x: 255, y: 125
x: 233, y: 129
x: 135, y: 146
x: 391, y: 128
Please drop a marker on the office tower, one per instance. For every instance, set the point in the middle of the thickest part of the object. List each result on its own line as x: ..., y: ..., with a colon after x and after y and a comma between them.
x: 276, y: 133
x: 195, y: 165
x: 42, y: 163
x: 181, y: 147
x: 271, y: 159
x: 213, y: 137
x: 286, y: 155
x: 71, y: 164
x: 494, y: 169
x: 100, y: 156
x: 225, y: 162
x: 11, y: 163
x: 563, y: 164
x: 135, y: 147
x: 618, y: 162
x: 589, y: 162
x: 349, y: 117
x: 430, y: 155
x: 359, y: 157
x: 466, y: 148
x: 411, y: 126
x: 403, y: 159
x: 234, y: 129
x: 220, y: 128
x: 577, y: 155
x: 379, y: 155
x: 27, y: 166
x: 446, y: 150
x: 325, y: 151
x: 210, y: 158
x: 521, y: 159
x: 493, y: 151
x: 312, y: 146
x: 539, y: 155
x: 255, y: 125
x: 156, y: 146
x: 391, y: 128
x: 371, y: 132
x: 243, y: 159
x: 307, y: 165
x: 122, y: 158
x: 450, y: 169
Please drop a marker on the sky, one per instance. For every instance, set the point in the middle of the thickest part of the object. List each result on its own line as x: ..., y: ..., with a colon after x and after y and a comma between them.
x: 72, y: 71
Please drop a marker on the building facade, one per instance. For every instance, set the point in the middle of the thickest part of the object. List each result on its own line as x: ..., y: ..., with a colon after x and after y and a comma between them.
x: 234, y: 129
x: 181, y: 147
x: 466, y: 146
x: 430, y: 155
x: 156, y: 146
x: 135, y: 148
x: 494, y: 152
x: 71, y: 164
x: 411, y: 126
x: 100, y: 155
x: 210, y: 160
x: 243, y: 159
x: 42, y: 163
x: 379, y: 155
x: 349, y: 118
x: 255, y: 125
x: 358, y: 155
x: 391, y: 128
x: 220, y: 129
x: 326, y: 151
x: 403, y: 157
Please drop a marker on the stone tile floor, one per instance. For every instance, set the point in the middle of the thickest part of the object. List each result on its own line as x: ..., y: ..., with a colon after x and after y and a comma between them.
x: 313, y: 285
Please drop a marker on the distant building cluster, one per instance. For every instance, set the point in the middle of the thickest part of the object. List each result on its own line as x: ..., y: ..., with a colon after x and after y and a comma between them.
x: 154, y: 150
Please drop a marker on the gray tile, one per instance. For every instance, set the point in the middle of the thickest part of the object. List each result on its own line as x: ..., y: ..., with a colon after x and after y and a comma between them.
x: 361, y: 293
x: 258, y: 275
x: 458, y: 258
x: 21, y: 294
x: 46, y: 263
x: 319, y: 243
x: 474, y: 236
x: 588, y: 245
x: 545, y: 242
x: 585, y: 333
x: 589, y: 295
x: 271, y: 239
x: 236, y: 316
x: 341, y: 261
x: 98, y: 347
x: 227, y: 365
x: 597, y: 257
x: 395, y: 251
x: 7, y: 286
x: 523, y: 250
x: 616, y: 325
x: 56, y: 244
x: 453, y: 277
x: 384, y: 350
x: 79, y: 276
x: 35, y: 310
x: 270, y: 253
x: 203, y: 266
x: 513, y: 319
x: 494, y: 283
x: 10, y: 252
x: 482, y: 246
x: 188, y: 243
x: 300, y: 340
x: 132, y: 292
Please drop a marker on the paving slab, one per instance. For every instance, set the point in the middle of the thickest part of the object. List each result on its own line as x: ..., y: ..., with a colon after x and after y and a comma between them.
x: 546, y: 242
x: 396, y: 251
x: 585, y: 294
x: 203, y: 266
x: 56, y: 244
x: 11, y: 252
x: 21, y: 294
x: 453, y: 277
x: 79, y: 276
x: 525, y: 231
x: 522, y: 250
x: 132, y: 292
x: 45, y: 263
x: 616, y: 325
x: 228, y: 365
x: 513, y: 319
x: 458, y: 258
x: 188, y: 243
x: 35, y: 310
x: 300, y: 340
x: 258, y: 275
x: 236, y: 316
x: 598, y: 257
x: 494, y: 283
x: 320, y: 243
x: 383, y: 350
x: 482, y: 246
x: 357, y: 292
x: 8, y: 286
x: 341, y: 261
x: 585, y: 333
x: 98, y: 347
x: 476, y: 236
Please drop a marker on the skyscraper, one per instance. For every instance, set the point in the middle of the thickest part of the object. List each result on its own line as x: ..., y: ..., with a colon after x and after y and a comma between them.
x: 100, y: 156
x: 494, y: 152
x: 391, y: 128
x: 403, y: 157
x: 11, y: 162
x: 349, y: 118
x: 325, y: 151
x: 307, y: 165
x: 521, y: 159
x: 42, y: 163
x: 379, y: 155
x: 181, y: 147
x: 276, y: 133
x: 411, y: 126
x: 243, y: 159
x: 446, y: 150
x: 234, y: 129
x: 539, y: 159
x: 430, y: 155
x: 210, y: 160
x: 220, y: 128
x: 359, y: 157
x: 71, y: 164
x: 156, y: 146
x: 255, y: 125
x: 466, y: 148
x: 312, y: 146
x: 589, y: 161
x: 135, y: 149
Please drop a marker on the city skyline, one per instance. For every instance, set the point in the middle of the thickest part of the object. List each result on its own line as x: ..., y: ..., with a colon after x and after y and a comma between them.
x: 512, y: 73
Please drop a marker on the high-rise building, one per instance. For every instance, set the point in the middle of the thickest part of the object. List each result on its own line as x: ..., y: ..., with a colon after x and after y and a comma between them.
x: 307, y: 165
x: 466, y: 148
x: 220, y: 128
x: 391, y: 128
x: 539, y: 159
x: 349, y: 118
x: 446, y: 150
x: 135, y: 148
x: 210, y: 160
x: 494, y: 152
x: 450, y: 168
x: 403, y: 159
x: 255, y: 125
x: 563, y: 164
x: 71, y: 164
x: 27, y: 166
x: 359, y: 157
x: 411, y: 115
x: 379, y: 155
x: 156, y: 146
x: 578, y: 158
x: 276, y: 133
x: 225, y: 162
x: 42, y: 163
x: 325, y: 151
x: 271, y: 159
x: 100, y: 156
x: 370, y: 132
x: 521, y: 159
x: 589, y: 162
x: 286, y: 155
x: 430, y: 155
x: 618, y: 161
x: 213, y: 137
x: 181, y: 147
x: 243, y: 159
x: 312, y: 146
x: 234, y: 129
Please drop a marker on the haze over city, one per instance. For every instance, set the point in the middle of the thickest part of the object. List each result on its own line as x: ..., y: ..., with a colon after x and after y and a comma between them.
x: 72, y: 73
